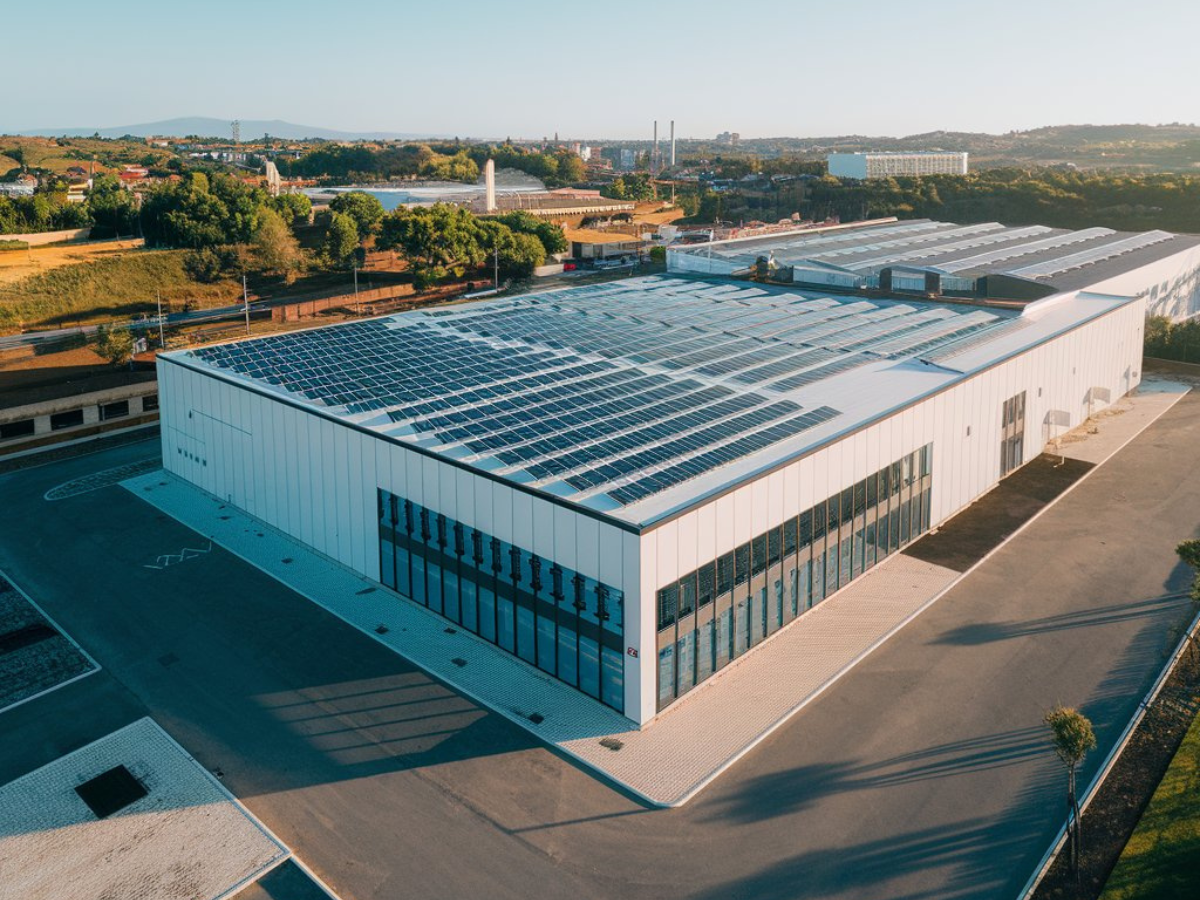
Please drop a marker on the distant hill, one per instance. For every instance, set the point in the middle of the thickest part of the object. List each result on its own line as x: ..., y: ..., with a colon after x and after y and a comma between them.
x: 251, y: 129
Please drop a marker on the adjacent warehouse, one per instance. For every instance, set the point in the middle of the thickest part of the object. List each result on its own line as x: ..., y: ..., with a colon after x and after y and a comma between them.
x: 896, y: 165
x: 630, y: 485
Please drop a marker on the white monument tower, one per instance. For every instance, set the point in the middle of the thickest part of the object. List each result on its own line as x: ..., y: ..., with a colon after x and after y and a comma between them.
x: 489, y: 185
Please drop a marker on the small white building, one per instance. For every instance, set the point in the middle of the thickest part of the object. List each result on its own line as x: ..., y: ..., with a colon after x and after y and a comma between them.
x: 898, y: 165
x: 629, y: 485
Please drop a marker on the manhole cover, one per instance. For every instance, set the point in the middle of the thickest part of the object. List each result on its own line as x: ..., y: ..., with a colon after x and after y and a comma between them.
x: 111, y: 791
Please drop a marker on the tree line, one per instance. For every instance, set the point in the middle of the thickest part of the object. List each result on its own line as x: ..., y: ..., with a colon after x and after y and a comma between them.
x: 1179, y: 341
x: 443, y: 241
x: 229, y: 226
x: 451, y: 161
x: 109, y: 210
x: 1058, y: 198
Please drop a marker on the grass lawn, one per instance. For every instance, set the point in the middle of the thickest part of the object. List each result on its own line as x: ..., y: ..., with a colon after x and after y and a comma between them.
x: 1162, y: 859
x: 115, y: 287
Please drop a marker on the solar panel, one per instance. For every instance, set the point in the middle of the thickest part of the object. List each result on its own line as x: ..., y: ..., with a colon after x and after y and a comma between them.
x: 617, y: 390
x: 1091, y: 255
x: 1024, y: 249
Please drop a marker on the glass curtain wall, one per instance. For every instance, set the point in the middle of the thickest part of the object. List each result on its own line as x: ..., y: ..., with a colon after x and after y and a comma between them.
x: 715, y: 614
x: 568, y: 625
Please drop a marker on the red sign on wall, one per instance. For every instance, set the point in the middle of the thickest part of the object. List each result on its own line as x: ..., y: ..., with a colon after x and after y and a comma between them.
x: 632, y: 651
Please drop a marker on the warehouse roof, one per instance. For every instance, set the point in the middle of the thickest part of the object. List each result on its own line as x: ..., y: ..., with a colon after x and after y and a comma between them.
x: 637, y: 397
x: 1057, y: 257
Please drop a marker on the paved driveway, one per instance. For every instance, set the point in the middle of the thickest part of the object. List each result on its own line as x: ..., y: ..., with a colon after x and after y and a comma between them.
x: 921, y: 774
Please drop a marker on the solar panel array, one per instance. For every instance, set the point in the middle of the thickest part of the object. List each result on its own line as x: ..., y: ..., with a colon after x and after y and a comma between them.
x: 859, y: 255
x: 607, y: 393
x: 1092, y: 255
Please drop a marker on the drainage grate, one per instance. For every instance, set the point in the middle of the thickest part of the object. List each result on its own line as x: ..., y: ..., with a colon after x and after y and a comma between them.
x: 111, y: 791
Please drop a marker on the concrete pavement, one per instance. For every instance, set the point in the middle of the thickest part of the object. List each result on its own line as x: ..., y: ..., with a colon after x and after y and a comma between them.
x: 923, y: 773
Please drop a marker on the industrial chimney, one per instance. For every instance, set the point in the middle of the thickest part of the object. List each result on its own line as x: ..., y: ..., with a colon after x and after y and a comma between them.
x: 489, y: 185
x: 672, y: 143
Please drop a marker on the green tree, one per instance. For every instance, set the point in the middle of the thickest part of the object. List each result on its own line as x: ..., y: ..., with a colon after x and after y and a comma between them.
x: 293, y: 207
x: 114, y: 210
x: 114, y: 344
x: 341, y: 239
x: 437, y: 241
x: 570, y: 168
x: 1189, y: 553
x: 365, y: 209
x: 550, y: 234
x: 275, y: 247
x: 459, y: 167
x: 518, y: 253
x: 636, y: 186
x: 1072, y: 737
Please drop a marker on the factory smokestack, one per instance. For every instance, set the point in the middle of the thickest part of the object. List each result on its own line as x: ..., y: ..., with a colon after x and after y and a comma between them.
x: 489, y: 185
x: 672, y: 143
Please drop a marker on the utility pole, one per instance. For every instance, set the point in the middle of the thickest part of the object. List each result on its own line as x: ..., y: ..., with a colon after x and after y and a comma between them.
x: 246, y: 303
x: 357, y: 308
x: 496, y: 263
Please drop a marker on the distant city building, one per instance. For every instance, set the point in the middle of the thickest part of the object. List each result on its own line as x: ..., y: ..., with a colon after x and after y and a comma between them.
x: 628, y: 158
x: 888, y: 165
x: 732, y: 138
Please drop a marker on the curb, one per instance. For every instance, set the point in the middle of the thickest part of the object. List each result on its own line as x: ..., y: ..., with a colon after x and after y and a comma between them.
x: 1110, y: 760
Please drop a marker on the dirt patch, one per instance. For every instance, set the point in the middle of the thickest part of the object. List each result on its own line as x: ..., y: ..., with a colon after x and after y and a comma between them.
x: 18, y: 264
x: 1125, y: 793
x: 990, y: 520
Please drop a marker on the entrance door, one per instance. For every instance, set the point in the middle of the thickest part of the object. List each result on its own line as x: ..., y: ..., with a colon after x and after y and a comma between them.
x: 1012, y: 434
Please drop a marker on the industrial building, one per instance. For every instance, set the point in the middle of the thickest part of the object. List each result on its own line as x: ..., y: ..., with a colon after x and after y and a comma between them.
x: 896, y: 165
x: 630, y: 485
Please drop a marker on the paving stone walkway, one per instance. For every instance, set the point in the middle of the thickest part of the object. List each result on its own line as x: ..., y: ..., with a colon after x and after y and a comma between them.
x: 684, y: 749
x: 184, y: 840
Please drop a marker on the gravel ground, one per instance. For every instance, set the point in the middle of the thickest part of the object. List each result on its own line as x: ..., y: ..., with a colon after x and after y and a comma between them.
x: 40, y: 664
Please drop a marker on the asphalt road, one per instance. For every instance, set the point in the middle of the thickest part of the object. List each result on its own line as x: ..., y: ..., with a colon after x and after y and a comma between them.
x: 923, y: 773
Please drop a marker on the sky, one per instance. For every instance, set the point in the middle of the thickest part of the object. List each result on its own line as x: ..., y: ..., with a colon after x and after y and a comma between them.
x: 527, y: 68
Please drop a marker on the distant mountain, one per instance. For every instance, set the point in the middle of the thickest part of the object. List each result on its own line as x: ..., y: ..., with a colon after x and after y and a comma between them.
x: 251, y: 129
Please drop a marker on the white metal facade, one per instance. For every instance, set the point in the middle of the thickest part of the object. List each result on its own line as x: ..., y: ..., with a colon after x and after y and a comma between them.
x: 898, y: 165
